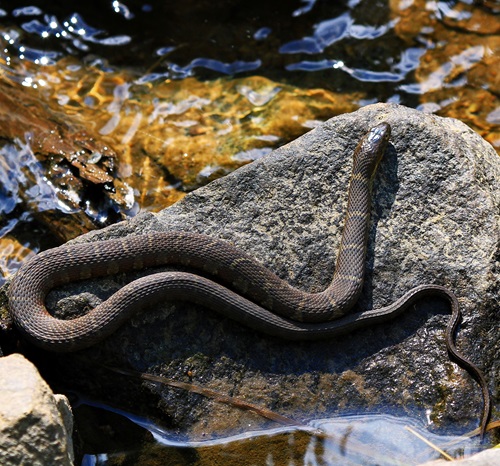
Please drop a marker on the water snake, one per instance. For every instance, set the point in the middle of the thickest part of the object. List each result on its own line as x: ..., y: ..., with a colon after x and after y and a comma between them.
x: 245, y: 290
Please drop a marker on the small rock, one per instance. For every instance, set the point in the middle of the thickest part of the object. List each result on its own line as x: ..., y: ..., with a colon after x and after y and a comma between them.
x: 35, y: 424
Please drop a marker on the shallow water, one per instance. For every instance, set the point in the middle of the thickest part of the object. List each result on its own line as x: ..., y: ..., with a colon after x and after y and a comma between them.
x: 351, y: 440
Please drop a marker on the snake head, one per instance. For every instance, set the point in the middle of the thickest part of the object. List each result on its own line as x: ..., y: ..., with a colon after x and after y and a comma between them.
x: 379, y: 134
x: 370, y: 149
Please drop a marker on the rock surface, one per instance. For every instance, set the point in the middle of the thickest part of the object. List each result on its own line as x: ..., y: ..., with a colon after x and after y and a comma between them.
x: 435, y: 219
x: 35, y: 424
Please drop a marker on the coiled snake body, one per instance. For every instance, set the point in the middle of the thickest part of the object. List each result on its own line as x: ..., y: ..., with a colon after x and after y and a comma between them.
x: 252, y: 294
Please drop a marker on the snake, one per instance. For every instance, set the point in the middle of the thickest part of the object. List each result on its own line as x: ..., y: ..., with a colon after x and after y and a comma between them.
x: 228, y: 280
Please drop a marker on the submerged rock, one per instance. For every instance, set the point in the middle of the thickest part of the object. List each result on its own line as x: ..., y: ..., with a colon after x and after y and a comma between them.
x: 435, y: 219
x: 462, y: 45
x: 89, y: 148
x: 35, y: 424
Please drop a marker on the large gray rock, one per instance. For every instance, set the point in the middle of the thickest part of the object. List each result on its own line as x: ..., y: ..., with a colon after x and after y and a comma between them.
x: 435, y: 219
x: 35, y: 424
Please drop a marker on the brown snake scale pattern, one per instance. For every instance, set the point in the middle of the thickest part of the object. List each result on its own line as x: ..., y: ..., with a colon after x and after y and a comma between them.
x: 248, y: 292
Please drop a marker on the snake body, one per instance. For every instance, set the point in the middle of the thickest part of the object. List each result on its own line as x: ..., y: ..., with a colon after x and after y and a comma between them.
x: 248, y: 292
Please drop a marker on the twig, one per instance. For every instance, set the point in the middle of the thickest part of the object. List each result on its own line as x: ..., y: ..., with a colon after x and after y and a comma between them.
x: 229, y: 400
x: 428, y: 442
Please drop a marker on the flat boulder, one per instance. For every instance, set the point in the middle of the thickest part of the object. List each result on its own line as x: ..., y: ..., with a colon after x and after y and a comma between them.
x: 435, y: 220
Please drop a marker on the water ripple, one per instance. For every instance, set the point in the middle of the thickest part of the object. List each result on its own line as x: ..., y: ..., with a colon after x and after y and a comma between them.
x: 409, y: 61
x: 333, y: 30
x: 214, y: 65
